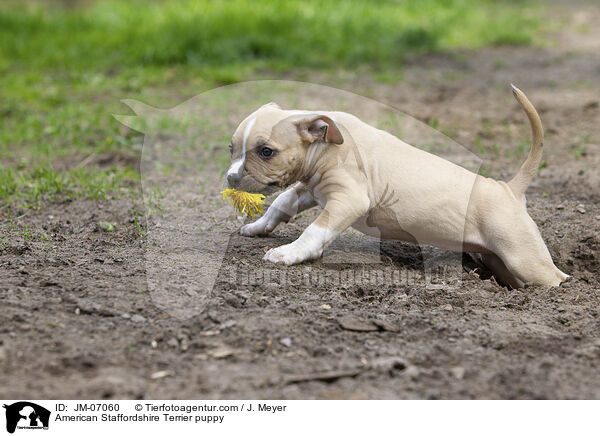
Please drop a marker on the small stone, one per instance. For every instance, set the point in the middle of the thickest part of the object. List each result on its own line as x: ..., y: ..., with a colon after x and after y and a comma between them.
x: 210, y: 332
x: 458, y: 372
x: 126, y: 316
x: 77, y: 311
x: 597, y: 217
x: 357, y: 325
x: 138, y: 318
x: 227, y: 324
x: 499, y: 344
x: 160, y: 374
x: 580, y: 208
x: 386, y: 325
x: 286, y: 341
x: 153, y: 344
x: 221, y: 352
x: 412, y: 372
x: 173, y: 342
x: 448, y: 307
x: 389, y: 363
x: 233, y: 301
x: 325, y: 306
x: 560, y: 206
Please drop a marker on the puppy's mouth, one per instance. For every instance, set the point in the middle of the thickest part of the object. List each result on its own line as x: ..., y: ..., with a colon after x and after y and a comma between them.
x: 250, y: 184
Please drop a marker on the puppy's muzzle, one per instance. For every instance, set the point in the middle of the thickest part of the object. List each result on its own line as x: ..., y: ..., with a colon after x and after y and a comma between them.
x: 235, y: 173
x: 233, y: 179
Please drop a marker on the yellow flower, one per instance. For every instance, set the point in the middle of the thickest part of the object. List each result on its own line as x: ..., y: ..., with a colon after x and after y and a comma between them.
x: 244, y: 202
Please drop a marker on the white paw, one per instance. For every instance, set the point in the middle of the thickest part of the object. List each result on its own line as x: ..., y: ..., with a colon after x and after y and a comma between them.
x: 260, y: 227
x: 251, y: 229
x: 286, y: 254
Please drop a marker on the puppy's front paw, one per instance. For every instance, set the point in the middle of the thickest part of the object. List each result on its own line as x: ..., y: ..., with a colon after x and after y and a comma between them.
x: 286, y: 254
x: 260, y: 227
x: 252, y: 229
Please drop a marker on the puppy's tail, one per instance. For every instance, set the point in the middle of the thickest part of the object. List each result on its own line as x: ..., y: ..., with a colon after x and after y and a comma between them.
x: 529, y: 168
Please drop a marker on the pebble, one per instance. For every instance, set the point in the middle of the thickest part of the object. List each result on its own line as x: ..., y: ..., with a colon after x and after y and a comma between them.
x: 388, y: 363
x: 286, y: 341
x: 210, y: 332
x: 448, y: 307
x: 580, y: 208
x: 325, y: 306
x: 356, y: 324
x: 173, y: 342
x: 386, y: 325
x: 221, y: 352
x: 160, y: 374
x: 412, y: 372
x: 458, y: 372
x: 227, y: 324
x: 597, y: 217
x: 138, y: 318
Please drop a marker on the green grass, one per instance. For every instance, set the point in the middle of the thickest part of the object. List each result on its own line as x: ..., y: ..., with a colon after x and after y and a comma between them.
x: 312, y: 33
x: 45, y: 183
x: 580, y: 147
x: 65, y: 68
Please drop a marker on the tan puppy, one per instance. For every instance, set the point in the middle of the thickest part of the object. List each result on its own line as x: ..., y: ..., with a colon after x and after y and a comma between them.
x: 367, y: 178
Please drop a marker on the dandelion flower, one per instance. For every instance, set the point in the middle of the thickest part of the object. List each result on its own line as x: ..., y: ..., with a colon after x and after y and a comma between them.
x: 244, y: 202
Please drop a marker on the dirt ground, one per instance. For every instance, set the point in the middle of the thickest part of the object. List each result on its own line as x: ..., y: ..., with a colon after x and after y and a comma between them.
x: 78, y: 320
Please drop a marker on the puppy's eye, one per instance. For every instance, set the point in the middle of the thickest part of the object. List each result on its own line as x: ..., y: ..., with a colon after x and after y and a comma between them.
x: 266, y: 152
x: 231, y: 148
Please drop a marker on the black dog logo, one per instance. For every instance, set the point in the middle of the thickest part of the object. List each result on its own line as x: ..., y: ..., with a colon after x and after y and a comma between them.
x: 26, y: 415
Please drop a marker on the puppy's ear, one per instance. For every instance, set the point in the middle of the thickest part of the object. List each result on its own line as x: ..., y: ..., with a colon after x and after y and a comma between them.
x: 319, y: 127
x: 271, y: 104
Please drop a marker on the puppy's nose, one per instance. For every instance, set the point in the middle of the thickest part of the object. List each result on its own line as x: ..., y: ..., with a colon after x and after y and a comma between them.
x: 233, y: 179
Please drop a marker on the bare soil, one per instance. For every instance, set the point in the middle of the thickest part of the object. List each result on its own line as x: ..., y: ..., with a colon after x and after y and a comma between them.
x: 78, y: 320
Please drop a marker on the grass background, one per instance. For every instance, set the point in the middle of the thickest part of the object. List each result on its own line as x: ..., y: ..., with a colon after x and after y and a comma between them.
x: 65, y: 65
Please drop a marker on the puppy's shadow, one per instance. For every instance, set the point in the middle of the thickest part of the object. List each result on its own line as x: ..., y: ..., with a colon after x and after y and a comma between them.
x: 402, y: 255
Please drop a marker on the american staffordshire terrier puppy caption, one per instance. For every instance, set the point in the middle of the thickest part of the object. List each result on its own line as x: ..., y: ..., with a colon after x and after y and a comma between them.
x: 366, y: 178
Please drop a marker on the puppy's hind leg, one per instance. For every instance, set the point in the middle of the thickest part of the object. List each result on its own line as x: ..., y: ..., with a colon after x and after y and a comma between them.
x: 289, y: 203
x: 523, y: 252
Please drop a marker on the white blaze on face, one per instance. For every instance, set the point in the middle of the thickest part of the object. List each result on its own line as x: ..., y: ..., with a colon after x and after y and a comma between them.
x: 237, y: 167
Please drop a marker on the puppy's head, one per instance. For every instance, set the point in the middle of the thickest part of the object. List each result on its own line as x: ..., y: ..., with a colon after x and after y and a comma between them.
x: 270, y: 147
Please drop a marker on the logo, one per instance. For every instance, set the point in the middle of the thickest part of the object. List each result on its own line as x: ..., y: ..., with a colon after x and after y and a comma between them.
x: 26, y: 415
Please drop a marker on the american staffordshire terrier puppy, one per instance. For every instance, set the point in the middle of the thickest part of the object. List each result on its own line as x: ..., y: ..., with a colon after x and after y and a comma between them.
x: 366, y: 178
